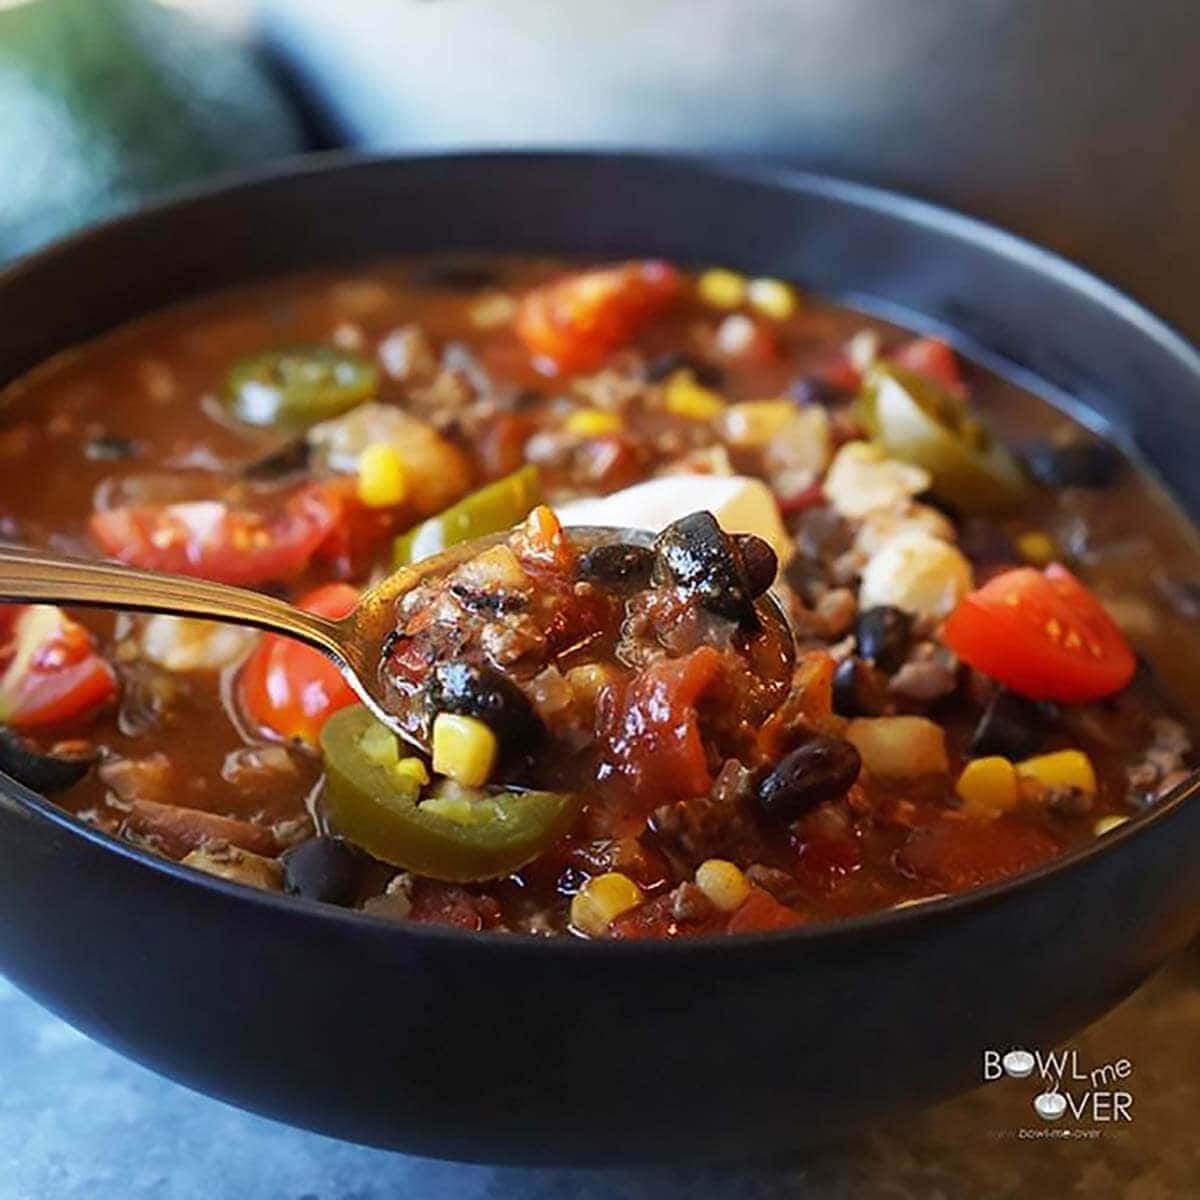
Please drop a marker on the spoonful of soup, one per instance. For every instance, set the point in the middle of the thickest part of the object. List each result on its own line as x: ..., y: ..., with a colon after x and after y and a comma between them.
x: 466, y: 636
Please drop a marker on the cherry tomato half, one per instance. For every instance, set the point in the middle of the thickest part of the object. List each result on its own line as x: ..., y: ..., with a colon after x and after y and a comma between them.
x: 1043, y: 634
x: 570, y: 324
x: 287, y: 689
x: 52, y: 672
x: 211, y: 540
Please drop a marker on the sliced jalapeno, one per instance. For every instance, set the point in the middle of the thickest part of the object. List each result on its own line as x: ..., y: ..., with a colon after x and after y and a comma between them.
x: 915, y: 420
x: 299, y: 386
x: 458, y: 835
x: 491, y: 509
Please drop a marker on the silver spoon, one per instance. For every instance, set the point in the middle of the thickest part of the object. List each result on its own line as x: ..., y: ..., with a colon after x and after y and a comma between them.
x: 354, y: 642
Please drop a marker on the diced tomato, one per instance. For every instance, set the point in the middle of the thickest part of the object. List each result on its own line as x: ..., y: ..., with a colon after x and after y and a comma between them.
x: 211, y: 540
x: 933, y: 358
x: 52, y: 672
x: 572, y: 323
x: 1043, y: 634
x: 435, y: 903
x: 955, y: 854
x: 288, y: 689
x: 760, y: 912
x: 656, y: 919
x: 542, y: 545
x: 652, y: 731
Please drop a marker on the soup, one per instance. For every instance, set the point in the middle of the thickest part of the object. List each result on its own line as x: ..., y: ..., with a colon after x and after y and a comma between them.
x: 869, y: 639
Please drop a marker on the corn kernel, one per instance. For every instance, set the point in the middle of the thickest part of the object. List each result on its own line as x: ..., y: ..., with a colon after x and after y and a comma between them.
x: 723, y: 883
x: 382, y: 480
x: 1037, y: 548
x: 464, y: 749
x: 722, y: 288
x: 601, y: 900
x: 1062, y: 769
x: 593, y: 422
x: 378, y: 745
x: 988, y: 787
x: 753, y: 423
x: 414, y: 769
x: 686, y: 398
x: 1108, y: 824
x: 772, y: 297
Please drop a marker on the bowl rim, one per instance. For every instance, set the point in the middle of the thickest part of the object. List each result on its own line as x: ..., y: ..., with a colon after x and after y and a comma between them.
x: 911, y: 210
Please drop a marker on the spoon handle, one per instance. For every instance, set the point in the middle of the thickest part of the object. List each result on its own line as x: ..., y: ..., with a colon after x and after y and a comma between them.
x: 44, y: 577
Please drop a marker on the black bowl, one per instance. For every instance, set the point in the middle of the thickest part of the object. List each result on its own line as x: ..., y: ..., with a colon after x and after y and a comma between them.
x: 511, y: 1049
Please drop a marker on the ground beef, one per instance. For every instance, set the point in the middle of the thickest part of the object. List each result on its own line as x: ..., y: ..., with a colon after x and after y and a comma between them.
x: 781, y: 884
x: 1161, y: 765
x: 930, y: 673
x: 719, y: 825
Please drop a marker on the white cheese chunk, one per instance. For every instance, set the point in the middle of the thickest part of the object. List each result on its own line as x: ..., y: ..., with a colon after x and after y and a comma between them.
x: 186, y: 644
x: 740, y: 504
x: 917, y: 572
x: 863, y: 479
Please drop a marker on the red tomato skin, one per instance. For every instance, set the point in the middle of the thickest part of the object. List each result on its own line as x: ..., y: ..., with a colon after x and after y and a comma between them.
x: 760, y: 912
x: 289, y: 690
x: 956, y: 854
x: 572, y: 323
x: 66, y: 678
x: 240, y: 547
x: 435, y: 903
x: 656, y: 919
x: 651, y: 728
x: 1043, y: 634
x: 933, y: 358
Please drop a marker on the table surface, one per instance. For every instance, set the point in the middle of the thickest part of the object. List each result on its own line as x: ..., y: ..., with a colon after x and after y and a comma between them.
x: 78, y: 1122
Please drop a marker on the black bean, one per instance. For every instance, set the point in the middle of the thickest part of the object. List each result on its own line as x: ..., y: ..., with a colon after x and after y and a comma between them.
x: 324, y: 868
x: 859, y: 690
x: 1082, y: 461
x: 45, y: 772
x: 883, y: 635
x: 110, y: 447
x: 697, y: 555
x: 822, y: 769
x: 617, y: 561
x: 762, y: 565
x: 665, y: 365
x: 1011, y: 726
x: 484, y: 693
